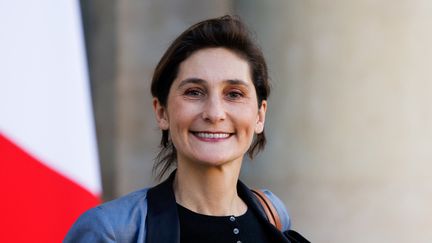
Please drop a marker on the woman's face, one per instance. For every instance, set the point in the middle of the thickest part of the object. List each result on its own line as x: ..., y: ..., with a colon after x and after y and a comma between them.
x: 212, y: 110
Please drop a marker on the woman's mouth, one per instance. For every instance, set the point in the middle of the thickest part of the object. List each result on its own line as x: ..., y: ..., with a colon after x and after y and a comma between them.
x: 212, y: 135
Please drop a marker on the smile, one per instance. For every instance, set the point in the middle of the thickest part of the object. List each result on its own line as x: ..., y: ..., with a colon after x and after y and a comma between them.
x: 207, y: 135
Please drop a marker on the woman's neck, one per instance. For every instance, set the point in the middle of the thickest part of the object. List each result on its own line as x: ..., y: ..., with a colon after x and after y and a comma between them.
x: 209, y: 190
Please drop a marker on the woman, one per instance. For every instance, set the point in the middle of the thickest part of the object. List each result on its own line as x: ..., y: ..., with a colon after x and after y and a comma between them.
x: 210, y: 94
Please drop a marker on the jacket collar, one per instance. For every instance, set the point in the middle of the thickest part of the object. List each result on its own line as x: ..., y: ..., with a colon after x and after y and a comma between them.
x: 253, y: 203
x: 162, y: 221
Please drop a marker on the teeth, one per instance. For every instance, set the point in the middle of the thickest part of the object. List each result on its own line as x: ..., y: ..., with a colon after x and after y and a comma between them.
x: 212, y: 135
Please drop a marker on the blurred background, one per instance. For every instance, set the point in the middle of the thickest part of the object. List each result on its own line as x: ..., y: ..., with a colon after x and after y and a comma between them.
x: 350, y: 115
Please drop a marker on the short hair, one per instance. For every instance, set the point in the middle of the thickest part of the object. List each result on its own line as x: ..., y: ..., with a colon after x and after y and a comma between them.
x: 228, y: 32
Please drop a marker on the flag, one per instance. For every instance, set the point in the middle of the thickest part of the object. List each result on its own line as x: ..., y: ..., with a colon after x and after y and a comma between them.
x: 49, y: 172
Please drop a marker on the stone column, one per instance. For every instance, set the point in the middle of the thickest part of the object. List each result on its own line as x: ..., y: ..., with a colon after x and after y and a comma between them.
x: 99, y: 22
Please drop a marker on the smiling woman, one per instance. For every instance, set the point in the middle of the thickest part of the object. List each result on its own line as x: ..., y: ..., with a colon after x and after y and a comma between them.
x: 210, y: 94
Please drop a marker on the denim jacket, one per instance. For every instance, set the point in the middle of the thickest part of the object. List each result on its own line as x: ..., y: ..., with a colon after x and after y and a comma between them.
x: 150, y: 215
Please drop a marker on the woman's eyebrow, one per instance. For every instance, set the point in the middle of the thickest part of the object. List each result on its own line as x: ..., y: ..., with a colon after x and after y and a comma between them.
x: 202, y: 82
x: 237, y: 82
x: 191, y: 81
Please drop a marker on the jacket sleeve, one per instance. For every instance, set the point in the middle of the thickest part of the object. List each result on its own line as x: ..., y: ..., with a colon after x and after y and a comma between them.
x: 92, y: 226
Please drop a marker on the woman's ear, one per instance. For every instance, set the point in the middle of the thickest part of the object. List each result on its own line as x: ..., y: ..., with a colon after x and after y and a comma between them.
x: 161, y: 114
x: 259, y: 128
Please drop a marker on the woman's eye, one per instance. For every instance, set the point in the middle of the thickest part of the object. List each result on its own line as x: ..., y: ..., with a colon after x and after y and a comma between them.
x: 194, y: 92
x: 234, y: 95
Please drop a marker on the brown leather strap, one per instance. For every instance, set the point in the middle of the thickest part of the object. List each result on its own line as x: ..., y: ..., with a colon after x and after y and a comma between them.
x: 269, y: 209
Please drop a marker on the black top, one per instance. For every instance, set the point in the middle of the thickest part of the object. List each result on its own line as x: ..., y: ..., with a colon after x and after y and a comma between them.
x: 195, y: 227
x: 162, y: 223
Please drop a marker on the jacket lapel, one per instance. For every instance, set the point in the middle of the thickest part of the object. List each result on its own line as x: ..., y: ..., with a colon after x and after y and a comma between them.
x: 162, y: 219
x: 252, y: 202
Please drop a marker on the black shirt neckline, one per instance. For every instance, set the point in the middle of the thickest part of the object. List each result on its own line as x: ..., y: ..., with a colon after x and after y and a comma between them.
x: 196, y: 227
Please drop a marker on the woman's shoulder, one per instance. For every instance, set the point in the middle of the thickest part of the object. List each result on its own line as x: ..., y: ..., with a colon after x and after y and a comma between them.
x: 280, y: 208
x: 292, y: 235
x: 136, y: 200
x: 122, y: 218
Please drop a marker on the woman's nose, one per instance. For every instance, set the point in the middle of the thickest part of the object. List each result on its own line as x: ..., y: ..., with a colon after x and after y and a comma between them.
x: 214, y: 110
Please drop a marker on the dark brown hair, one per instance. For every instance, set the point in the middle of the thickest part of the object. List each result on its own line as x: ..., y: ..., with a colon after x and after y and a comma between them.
x: 228, y: 32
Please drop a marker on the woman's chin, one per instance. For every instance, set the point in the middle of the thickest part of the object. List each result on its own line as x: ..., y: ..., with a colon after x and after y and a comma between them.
x: 215, y: 161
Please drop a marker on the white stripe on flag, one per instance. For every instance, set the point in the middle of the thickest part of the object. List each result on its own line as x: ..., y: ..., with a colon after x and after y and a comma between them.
x: 45, y: 104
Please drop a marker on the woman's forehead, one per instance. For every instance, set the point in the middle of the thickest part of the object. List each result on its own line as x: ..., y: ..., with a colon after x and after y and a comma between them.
x: 215, y: 64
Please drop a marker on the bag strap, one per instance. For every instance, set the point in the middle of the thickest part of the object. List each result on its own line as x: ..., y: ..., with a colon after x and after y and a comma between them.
x: 269, y: 209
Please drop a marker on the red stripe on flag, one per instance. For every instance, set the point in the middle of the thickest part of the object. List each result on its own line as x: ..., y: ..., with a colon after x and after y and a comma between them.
x: 37, y: 203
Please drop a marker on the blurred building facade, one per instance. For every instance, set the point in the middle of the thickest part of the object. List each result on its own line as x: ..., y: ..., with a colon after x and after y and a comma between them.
x: 350, y: 115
